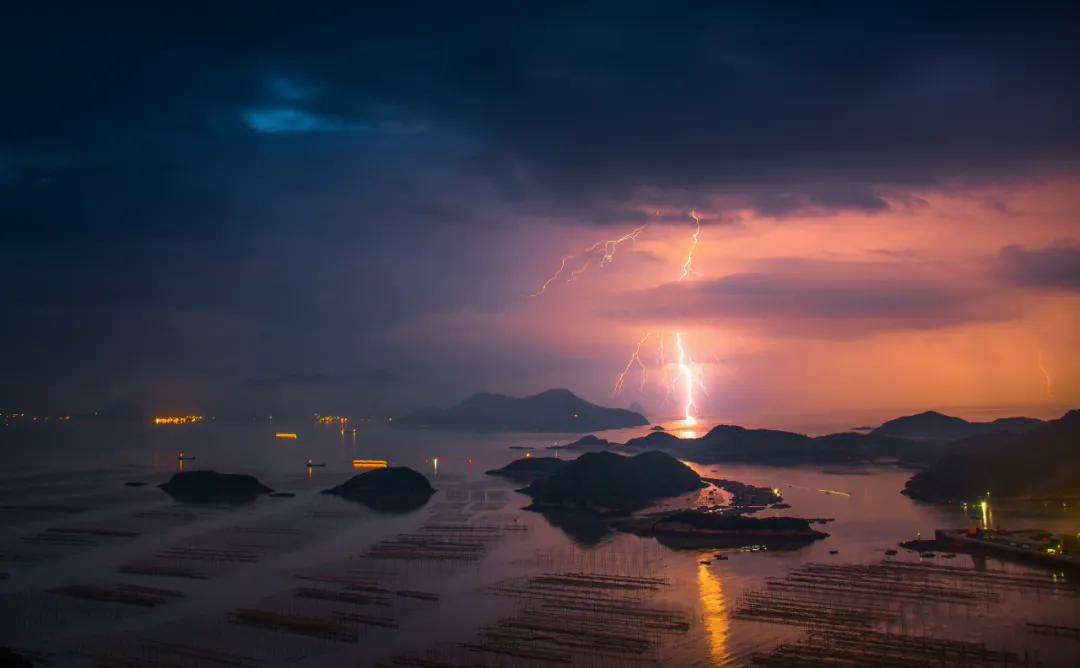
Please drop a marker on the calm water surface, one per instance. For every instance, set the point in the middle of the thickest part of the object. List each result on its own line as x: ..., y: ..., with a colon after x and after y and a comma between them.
x: 67, y: 519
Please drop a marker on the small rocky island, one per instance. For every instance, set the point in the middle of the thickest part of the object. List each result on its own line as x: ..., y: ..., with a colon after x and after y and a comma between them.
x: 586, y: 443
x: 601, y: 491
x: 554, y: 411
x: 393, y: 489
x: 748, y: 496
x: 529, y: 468
x: 605, y: 482
x: 214, y: 487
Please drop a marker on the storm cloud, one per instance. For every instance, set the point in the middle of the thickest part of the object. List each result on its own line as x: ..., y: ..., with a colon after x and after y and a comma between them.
x: 317, y: 175
x: 817, y: 298
x: 1056, y: 266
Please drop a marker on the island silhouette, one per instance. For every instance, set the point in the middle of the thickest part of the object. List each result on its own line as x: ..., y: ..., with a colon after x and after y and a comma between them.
x: 556, y: 411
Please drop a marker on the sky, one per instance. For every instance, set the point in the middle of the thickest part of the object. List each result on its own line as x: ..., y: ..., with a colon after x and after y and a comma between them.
x: 279, y: 207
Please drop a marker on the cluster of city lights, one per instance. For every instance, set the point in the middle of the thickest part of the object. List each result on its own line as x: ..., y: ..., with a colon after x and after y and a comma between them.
x: 8, y: 418
x: 178, y: 419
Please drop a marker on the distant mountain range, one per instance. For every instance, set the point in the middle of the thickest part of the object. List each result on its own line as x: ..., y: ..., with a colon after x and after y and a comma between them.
x: 1041, y: 462
x: 928, y: 436
x: 556, y: 411
x: 937, y: 427
x: 727, y: 443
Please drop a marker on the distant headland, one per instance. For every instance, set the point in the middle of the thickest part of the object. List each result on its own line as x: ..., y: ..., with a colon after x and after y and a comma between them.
x: 932, y: 426
x: 554, y: 411
x: 1041, y: 463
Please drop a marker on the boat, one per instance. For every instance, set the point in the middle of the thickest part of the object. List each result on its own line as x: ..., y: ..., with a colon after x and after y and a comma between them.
x: 1033, y: 545
x: 312, y: 465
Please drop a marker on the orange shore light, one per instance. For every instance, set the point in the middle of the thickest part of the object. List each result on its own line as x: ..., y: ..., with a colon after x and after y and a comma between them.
x: 370, y: 463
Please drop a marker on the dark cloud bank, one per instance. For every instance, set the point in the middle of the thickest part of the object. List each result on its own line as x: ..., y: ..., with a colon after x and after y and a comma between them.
x: 309, y: 173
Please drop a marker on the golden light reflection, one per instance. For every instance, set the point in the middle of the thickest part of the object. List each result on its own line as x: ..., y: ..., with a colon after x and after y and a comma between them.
x: 717, y: 623
x: 684, y: 428
x: 282, y: 434
x: 987, y: 514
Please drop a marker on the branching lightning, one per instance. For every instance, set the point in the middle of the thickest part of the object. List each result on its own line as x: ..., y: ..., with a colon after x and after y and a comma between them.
x: 680, y: 377
x: 575, y: 264
x: 634, y: 359
x: 686, y: 376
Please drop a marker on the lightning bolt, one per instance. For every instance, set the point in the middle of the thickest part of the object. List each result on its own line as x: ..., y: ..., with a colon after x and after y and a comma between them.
x: 688, y: 377
x: 685, y: 369
x: 558, y: 272
x: 1046, y: 374
x: 688, y: 265
x: 635, y: 358
x: 602, y: 251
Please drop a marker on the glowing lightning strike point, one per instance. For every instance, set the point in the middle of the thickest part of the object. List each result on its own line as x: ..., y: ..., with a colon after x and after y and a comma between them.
x: 688, y: 267
x: 636, y: 357
x: 604, y: 249
x: 1046, y: 374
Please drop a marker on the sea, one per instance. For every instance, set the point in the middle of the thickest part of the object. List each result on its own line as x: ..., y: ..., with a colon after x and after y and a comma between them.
x: 99, y: 569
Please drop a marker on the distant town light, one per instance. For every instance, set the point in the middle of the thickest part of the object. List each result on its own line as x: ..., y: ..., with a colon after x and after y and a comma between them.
x: 178, y: 419
x: 370, y: 463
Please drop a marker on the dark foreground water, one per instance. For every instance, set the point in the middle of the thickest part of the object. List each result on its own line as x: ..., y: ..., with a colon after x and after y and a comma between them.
x: 99, y: 573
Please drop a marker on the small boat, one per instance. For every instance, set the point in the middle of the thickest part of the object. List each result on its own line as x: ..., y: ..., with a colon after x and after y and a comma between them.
x: 927, y: 555
x: 186, y: 458
x: 834, y: 551
x: 721, y: 557
x: 891, y: 553
x: 313, y: 465
x: 704, y: 562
